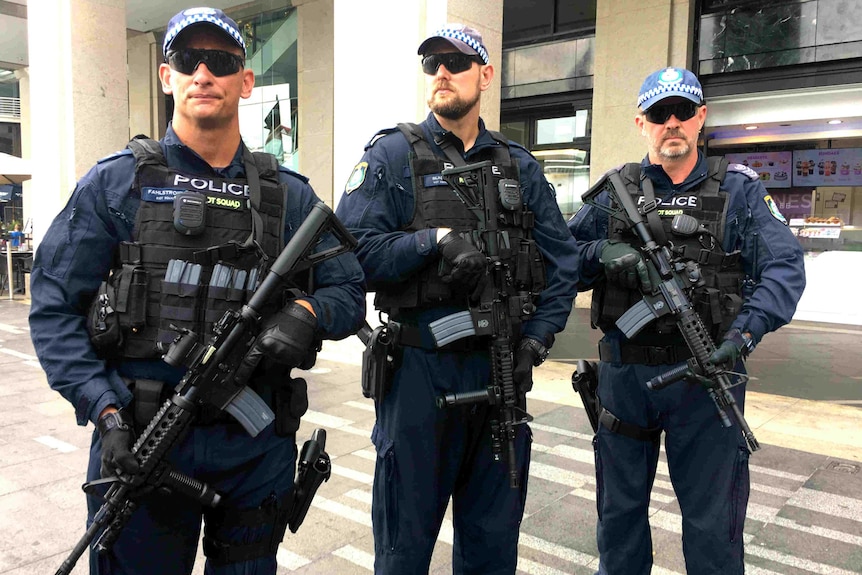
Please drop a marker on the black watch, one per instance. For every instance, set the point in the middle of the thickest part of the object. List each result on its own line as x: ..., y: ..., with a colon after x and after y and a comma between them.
x: 113, y: 420
x: 540, y: 350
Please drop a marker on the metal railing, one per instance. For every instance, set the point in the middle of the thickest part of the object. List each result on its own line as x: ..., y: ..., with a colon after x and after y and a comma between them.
x: 10, y: 108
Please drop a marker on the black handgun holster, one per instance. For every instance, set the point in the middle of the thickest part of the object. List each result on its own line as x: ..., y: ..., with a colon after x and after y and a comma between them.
x: 377, y: 363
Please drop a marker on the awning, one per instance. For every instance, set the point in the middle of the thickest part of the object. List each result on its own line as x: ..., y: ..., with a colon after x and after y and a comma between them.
x: 13, y: 170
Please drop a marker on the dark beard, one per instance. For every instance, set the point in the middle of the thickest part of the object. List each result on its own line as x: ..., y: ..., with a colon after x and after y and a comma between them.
x: 454, y: 109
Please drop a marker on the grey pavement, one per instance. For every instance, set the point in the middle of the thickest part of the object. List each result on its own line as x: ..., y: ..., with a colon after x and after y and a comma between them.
x: 804, y: 517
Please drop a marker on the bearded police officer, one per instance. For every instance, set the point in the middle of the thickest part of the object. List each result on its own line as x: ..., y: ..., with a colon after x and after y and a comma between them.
x: 183, y: 226
x: 418, y: 253
x: 752, y: 267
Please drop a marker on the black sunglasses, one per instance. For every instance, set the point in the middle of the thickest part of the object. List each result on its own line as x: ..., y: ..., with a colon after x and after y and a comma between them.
x: 661, y: 114
x: 455, y: 62
x: 219, y: 62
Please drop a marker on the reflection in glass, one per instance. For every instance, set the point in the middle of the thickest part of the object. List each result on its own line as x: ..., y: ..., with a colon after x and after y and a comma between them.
x: 268, y: 117
x: 568, y: 172
x: 745, y: 35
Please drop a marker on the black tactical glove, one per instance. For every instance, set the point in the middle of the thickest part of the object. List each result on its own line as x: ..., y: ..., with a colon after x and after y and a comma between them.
x: 468, y: 263
x: 735, y: 344
x: 118, y: 436
x: 286, y: 338
x: 530, y: 353
x: 625, y: 266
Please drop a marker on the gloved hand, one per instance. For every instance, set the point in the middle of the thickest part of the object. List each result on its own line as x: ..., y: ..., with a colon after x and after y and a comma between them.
x: 468, y: 263
x: 527, y: 356
x: 625, y: 266
x: 118, y: 436
x: 735, y: 344
x: 285, y: 338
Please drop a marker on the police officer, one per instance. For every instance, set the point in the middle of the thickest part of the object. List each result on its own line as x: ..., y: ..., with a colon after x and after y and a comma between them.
x: 239, y: 209
x: 407, y: 221
x: 753, y: 274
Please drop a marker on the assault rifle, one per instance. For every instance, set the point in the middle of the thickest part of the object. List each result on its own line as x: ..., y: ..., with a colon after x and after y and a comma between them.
x: 671, y: 296
x: 501, y: 300
x: 209, y: 382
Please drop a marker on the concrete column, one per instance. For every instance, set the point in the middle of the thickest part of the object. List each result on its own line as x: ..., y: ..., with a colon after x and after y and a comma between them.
x: 146, y: 99
x: 315, y: 93
x: 78, y: 96
x: 486, y: 16
x: 633, y: 39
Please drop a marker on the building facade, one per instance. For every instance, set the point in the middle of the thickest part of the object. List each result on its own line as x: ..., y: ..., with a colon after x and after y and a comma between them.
x: 782, y: 78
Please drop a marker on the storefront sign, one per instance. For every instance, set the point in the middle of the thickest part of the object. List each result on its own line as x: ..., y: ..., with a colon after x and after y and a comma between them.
x: 793, y: 205
x: 773, y: 167
x: 841, y: 167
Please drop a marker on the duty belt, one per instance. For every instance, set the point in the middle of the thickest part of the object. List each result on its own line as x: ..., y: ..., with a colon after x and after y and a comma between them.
x: 412, y: 335
x: 644, y: 354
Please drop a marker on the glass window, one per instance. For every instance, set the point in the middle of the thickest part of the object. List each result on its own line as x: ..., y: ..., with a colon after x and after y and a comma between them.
x: 750, y: 35
x: 268, y: 117
x: 562, y: 130
x: 538, y: 19
x: 548, y: 68
x: 568, y: 172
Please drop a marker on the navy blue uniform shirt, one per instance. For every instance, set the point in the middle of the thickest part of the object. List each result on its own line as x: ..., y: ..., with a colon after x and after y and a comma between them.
x: 377, y: 211
x: 771, y: 254
x: 76, y: 255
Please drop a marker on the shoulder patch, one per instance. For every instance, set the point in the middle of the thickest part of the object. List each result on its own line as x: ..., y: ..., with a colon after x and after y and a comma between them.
x: 123, y: 152
x: 296, y: 175
x: 773, y: 209
x: 357, y: 176
x: 752, y: 175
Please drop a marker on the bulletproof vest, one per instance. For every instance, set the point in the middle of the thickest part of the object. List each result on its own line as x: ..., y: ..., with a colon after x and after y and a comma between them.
x: 176, y: 274
x: 437, y: 205
x: 719, y: 299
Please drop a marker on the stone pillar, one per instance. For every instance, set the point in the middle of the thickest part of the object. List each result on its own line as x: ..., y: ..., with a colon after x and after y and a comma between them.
x: 78, y: 96
x: 633, y: 39
x: 146, y: 99
x: 315, y: 93
x: 486, y: 16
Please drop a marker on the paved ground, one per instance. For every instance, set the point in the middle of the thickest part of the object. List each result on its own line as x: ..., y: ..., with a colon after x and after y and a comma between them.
x: 805, y: 515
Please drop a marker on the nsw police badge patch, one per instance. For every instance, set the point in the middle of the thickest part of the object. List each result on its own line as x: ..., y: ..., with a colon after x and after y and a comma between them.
x: 773, y: 209
x: 356, y: 177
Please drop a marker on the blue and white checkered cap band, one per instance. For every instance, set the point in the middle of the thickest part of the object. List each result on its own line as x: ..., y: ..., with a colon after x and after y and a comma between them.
x: 465, y: 38
x: 190, y: 19
x: 671, y: 88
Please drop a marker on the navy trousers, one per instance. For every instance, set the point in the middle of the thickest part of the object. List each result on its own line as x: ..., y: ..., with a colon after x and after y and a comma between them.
x: 425, y: 455
x: 162, y: 535
x: 708, y: 466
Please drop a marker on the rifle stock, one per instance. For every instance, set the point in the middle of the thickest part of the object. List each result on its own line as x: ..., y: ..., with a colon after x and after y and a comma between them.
x: 208, y: 381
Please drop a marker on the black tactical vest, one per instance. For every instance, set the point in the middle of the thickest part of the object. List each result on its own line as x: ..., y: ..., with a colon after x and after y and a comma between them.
x: 719, y: 300
x: 437, y: 205
x: 165, y: 276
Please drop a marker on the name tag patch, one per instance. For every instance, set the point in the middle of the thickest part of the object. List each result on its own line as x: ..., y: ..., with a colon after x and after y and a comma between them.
x: 433, y: 180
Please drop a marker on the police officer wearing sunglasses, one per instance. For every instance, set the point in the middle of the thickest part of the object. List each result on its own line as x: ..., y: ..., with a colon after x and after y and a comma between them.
x: 122, y: 218
x: 753, y: 273
x: 403, y: 214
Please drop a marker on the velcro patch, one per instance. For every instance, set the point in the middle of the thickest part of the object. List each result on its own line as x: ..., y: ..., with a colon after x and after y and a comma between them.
x: 773, y: 209
x: 357, y: 176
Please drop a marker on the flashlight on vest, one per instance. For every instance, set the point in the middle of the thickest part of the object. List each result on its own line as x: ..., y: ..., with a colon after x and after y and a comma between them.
x: 189, y: 213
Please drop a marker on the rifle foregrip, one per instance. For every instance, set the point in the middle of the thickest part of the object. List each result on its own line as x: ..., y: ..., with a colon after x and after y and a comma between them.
x: 672, y: 376
x: 488, y: 395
